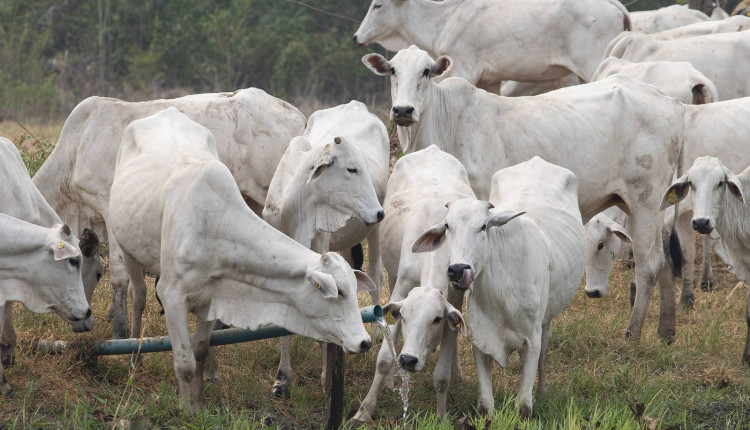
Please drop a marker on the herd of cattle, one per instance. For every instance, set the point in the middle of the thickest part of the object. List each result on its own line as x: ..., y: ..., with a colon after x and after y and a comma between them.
x: 236, y: 201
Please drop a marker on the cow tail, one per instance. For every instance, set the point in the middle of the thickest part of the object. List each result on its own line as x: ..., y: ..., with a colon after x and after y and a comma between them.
x: 698, y: 97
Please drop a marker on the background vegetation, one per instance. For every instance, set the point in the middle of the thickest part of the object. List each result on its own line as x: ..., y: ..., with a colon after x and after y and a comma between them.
x: 54, y: 53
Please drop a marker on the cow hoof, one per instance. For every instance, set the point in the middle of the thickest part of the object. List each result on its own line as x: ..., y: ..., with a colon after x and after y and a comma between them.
x: 667, y: 337
x: 10, y: 394
x: 7, y: 355
x: 707, y: 286
x: 746, y: 359
x: 362, y: 415
x: 280, y: 390
x: 524, y: 412
x: 687, y: 301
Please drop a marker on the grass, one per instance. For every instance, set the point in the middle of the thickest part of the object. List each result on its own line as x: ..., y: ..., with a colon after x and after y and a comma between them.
x: 597, y: 379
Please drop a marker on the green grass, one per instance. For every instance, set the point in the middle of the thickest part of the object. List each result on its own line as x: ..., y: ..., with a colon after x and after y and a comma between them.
x: 596, y: 378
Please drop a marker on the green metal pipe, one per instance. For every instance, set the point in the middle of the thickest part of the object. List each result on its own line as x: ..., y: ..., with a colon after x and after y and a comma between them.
x: 162, y: 343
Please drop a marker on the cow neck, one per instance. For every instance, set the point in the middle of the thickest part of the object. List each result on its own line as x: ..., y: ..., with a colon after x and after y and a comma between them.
x: 733, y: 225
x: 434, y: 125
x: 298, y: 216
x: 425, y: 21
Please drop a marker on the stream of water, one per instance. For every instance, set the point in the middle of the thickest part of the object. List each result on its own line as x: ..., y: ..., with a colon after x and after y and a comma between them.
x: 403, y: 374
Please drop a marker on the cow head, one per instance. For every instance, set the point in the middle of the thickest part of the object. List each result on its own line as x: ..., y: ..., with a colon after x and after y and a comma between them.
x: 605, y: 240
x: 329, y: 302
x: 411, y: 71
x: 339, y: 181
x: 423, y: 315
x: 465, y: 228
x: 708, y: 182
x: 383, y: 24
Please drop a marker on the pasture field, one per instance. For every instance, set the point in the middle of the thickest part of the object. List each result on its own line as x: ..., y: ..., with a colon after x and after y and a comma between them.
x: 597, y: 379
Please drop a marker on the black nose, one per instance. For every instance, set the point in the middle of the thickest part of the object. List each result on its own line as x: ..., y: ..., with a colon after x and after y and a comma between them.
x: 402, y: 111
x: 88, y: 314
x: 594, y: 294
x: 408, y: 362
x: 701, y: 225
x: 381, y: 215
x: 365, y: 345
x: 456, y: 271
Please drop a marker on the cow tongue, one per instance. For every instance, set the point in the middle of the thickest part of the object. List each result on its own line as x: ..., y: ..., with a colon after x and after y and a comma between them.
x: 466, y: 279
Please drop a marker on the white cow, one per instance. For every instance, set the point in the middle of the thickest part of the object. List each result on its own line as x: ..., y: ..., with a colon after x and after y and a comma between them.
x: 41, y: 268
x: 419, y: 188
x: 327, y: 191
x: 718, y: 201
x: 729, y: 25
x: 678, y: 79
x: 508, y: 40
x: 665, y: 18
x: 520, y: 275
x: 252, y: 129
x: 20, y: 199
x: 621, y: 154
x: 714, y: 129
x: 176, y: 211
x: 723, y: 58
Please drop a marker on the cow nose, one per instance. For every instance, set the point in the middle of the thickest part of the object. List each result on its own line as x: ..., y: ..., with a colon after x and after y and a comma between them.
x: 402, y: 111
x: 701, y: 225
x: 456, y: 271
x: 365, y: 345
x: 381, y: 215
x: 354, y: 38
x: 88, y: 314
x: 408, y: 362
x: 594, y: 294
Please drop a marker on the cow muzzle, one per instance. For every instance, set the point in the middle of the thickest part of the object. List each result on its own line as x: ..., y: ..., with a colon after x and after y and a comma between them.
x: 408, y: 362
x: 378, y: 217
x: 702, y: 225
x: 403, y: 115
x: 461, y: 276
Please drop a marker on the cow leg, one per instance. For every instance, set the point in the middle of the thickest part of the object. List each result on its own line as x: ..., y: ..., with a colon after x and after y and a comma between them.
x: 746, y: 354
x: 138, y: 292
x: 383, y: 368
x: 649, y: 259
x: 8, y: 337
x: 530, y: 355
x: 284, y: 373
x: 486, y: 399
x: 541, y: 387
x: 175, y: 312
x: 4, y: 387
x: 707, y: 275
x: 200, y: 345
x: 441, y: 377
x: 667, y: 303
x: 687, y: 242
x: 118, y: 277
x: 212, y: 366
x: 374, y: 264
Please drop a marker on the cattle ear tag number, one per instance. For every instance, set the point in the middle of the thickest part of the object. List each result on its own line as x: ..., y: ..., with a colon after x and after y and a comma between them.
x: 673, y: 198
x: 390, y: 319
x: 61, y: 245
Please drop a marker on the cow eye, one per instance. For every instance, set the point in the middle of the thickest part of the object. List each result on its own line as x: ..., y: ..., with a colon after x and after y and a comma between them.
x: 341, y: 294
x: 393, y: 71
x: 690, y: 184
x: 484, y: 227
x: 377, y: 6
x: 98, y: 277
x: 74, y: 262
x: 352, y: 170
x: 437, y: 320
x: 721, y: 184
x: 446, y: 226
x: 426, y: 72
x: 600, y: 246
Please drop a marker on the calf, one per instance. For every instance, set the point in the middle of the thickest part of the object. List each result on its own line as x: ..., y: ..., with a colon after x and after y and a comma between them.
x: 718, y: 201
x: 519, y: 274
x: 19, y: 198
x: 41, y: 268
x: 326, y: 194
x: 419, y: 188
x: 176, y: 211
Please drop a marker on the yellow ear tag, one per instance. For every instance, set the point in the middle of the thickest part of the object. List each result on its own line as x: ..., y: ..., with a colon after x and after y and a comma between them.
x: 390, y: 319
x: 61, y: 245
x: 740, y: 198
x: 318, y: 284
x: 458, y: 325
x: 673, y: 198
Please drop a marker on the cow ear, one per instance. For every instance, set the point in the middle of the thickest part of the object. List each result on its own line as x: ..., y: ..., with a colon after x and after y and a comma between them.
x: 735, y: 186
x: 442, y: 65
x: 324, y: 282
x: 498, y: 219
x: 455, y: 319
x: 324, y: 161
x: 61, y: 249
x: 394, y: 309
x: 675, y: 193
x: 378, y: 64
x: 619, y: 231
x: 364, y: 283
x: 430, y: 240
x: 89, y: 243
